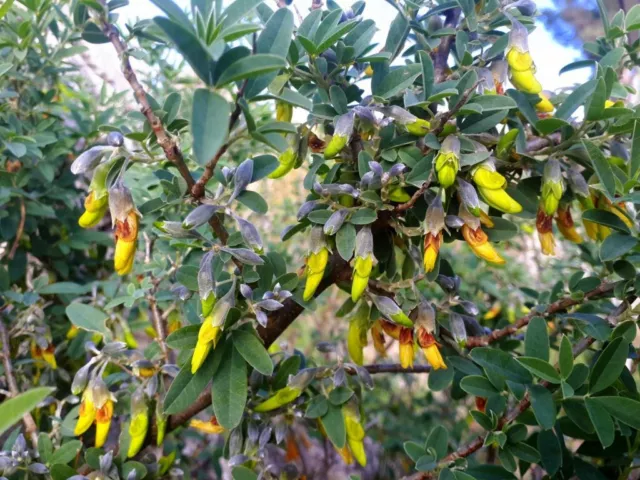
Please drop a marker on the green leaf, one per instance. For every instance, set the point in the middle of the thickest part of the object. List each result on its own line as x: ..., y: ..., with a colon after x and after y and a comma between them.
x: 340, y: 395
x: 64, y: 288
x: 634, y: 163
x: 540, y: 368
x: 616, y: 245
x: 440, y: 379
x: 602, y: 422
x: 5, y: 8
x: 543, y: 406
x: 478, y: 123
x: 209, y: 124
x: 174, y: 12
x: 263, y: 165
x: 545, y: 126
x: 414, y: 450
x: 602, y: 167
x: 609, y: 365
x: 500, y: 362
x: 317, y: 407
x: 576, y: 99
x: 397, y: 80
x: 62, y: 472
x: 525, y: 452
x: 229, y: 388
x: 398, y: 31
x: 632, y: 20
x: 12, y: 410
x: 243, y: 473
x: 363, y: 216
x: 253, y: 351
x: 287, y: 367
x: 428, y: 76
x: 254, y: 201
x: 478, y: 386
x: 565, y: 359
x: 438, y: 440
x: 238, y: 9
x: 191, y: 49
x: 186, y: 387
x: 550, y: 451
x: 346, y: 241
x: 494, y: 102
x: 333, y: 424
x: 184, y: 338
x: 576, y: 66
x: 621, y: 408
x: 502, y: 230
x: 45, y: 447
x: 250, y: 67
x: 606, y: 218
x: 67, y: 452
x: 275, y: 39
x: 595, y: 105
x: 88, y: 318
x: 336, y: 34
x: 338, y: 99
x: 612, y: 58
x: 536, y: 340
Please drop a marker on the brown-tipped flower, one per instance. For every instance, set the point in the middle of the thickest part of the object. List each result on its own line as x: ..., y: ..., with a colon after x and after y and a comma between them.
x: 477, y: 239
x: 565, y: 224
x: 429, y: 346
x: 406, y: 347
x: 212, y: 426
x: 125, y: 218
x: 378, y: 338
x: 103, y: 400
x: 434, y: 224
x: 544, y: 226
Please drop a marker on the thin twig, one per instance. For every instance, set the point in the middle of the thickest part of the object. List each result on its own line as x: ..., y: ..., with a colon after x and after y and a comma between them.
x: 20, y: 230
x: 27, y: 419
x: 557, y: 306
x: 449, y: 114
x: 414, y: 198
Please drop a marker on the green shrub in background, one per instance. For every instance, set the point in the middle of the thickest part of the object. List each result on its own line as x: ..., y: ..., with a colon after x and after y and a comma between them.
x: 434, y: 168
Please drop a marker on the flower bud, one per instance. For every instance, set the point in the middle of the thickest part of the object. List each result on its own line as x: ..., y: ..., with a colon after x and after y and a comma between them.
x: 284, y: 112
x: 434, y: 224
x: 242, y: 178
x: 81, y: 379
x: 397, y: 169
x: 89, y: 159
x: 139, y: 423
x: 458, y: 330
x: 469, y: 197
x: 426, y: 317
x: 363, y: 263
x: 335, y: 221
x: 316, y: 262
x: 486, y: 85
x: 115, y: 139
x: 398, y: 194
x: 341, y: 135
x: 250, y: 234
x: 499, y: 71
x: 447, y: 162
x: 355, y: 433
x: 199, y: 216
x: 357, y: 333
x: 306, y: 209
x: 390, y: 309
x: 287, y: 161
x: 206, y: 283
x: 552, y: 187
x: 245, y: 255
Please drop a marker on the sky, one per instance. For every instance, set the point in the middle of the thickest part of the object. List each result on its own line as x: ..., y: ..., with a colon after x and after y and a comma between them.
x: 549, y: 55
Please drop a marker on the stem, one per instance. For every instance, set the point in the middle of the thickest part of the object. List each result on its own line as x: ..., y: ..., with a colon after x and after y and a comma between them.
x: 27, y: 419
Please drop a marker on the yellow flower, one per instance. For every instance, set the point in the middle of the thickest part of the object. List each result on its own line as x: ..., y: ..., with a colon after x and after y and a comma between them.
x: 398, y: 194
x: 486, y: 220
x: 286, y: 160
x: 46, y: 354
x: 419, y: 127
x: 368, y: 71
x: 479, y: 243
x: 432, y: 245
x: 430, y: 349
x: 126, y: 243
x: 335, y: 146
x: 493, y: 312
x: 87, y: 413
x: 544, y: 105
x: 211, y: 427
x: 447, y: 162
x: 355, y: 435
x: 208, y: 303
x: 406, y: 347
x: 72, y: 332
x: 491, y: 186
x: 279, y: 399
x: 130, y: 340
x: 316, y: 264
x: 522, y: 71
x: 103, y: 422
x: 565, y: 224
x: 284, y: 112
x: 208, y: 337
x: 544, y: 225
x: 354, y: 342
x: 137, y: 432
x: 95, y: 208
x: 361, y: 273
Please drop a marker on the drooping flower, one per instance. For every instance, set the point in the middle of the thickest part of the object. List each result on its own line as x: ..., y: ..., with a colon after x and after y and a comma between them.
x: 412, y: 124
x: 86, y: 414
x: 316, y: 262
x: 406, y: 347
x: 284, y: 112
x: 97, y: 201
x: 521, y: 67
x: 552, y: 187
x: 434, y: 224
x: 477, y: 239
x: 103, y: 400
x: 565, y: 224
x: 378, y: 338
x: 341, y: 135
x: 125, y: 217
x: 429, y: 346
x: 357, y: 333
x: 139, y: 423
x: 363, y: 263
x: 499, y: 72
x: 44, y: 356
x: 212, y: 426
x: 390, y: 310
x: 447, y: 162
x: 544, y: 105
x: 544, y: 226
x: 286, y: 162
x: 206, y: 284
x: 491, y: 186
x: 355, y: 432
x: 297, y: 385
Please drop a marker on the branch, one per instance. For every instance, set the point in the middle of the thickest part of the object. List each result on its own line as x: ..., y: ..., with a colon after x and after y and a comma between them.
x: 448, y: 115
x: 27, y: 419
x: 19, y: 231
x: 396, y: 368
x: 557, y: 306
x: 414, y: 198
x: 165, y: 140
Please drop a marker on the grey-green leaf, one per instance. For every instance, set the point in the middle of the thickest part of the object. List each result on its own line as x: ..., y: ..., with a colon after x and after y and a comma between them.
x: 253, y: 351
x: 209, y: 124
x: 229, y: 388
x: 12, y: 410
